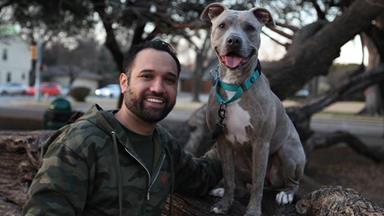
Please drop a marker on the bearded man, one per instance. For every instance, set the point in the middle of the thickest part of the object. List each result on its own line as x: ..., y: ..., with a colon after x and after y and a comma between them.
x: 122, y: 162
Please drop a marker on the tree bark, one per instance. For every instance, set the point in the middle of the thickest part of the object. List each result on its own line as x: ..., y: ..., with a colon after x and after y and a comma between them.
x: 18, y: 168
x: 373, y: 38
x: 316, y: 46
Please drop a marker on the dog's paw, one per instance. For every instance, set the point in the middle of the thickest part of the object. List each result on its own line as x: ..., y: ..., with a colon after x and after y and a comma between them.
x: 284, y: 198
x: 217, y: 192
x: 222, y: 206
x: 253, y: 212
x: 217, y: 210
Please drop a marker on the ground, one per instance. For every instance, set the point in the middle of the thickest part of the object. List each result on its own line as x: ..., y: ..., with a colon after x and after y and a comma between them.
x: 330, y: 166
x: 342, y: 166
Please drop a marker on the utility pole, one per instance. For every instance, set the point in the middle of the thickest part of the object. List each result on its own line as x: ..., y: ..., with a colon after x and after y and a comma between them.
x: 32, y: 75
x: 39, y: 61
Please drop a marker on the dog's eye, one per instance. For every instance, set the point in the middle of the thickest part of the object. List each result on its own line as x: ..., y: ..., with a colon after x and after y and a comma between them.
x: 222, y: 25
x: 249, y: 28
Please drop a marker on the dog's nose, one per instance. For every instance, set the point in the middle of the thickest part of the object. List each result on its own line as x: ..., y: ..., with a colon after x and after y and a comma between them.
x: 234, y: 41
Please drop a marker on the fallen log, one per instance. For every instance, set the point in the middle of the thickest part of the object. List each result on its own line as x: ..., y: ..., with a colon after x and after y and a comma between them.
x: 20, y: 159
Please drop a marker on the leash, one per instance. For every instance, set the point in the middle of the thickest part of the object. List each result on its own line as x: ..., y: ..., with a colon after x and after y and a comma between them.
x: 238, y: 89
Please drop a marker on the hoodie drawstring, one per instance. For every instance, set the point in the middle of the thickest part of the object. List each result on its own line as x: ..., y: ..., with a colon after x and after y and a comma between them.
x: 170, y: 206
x: 118, y: 173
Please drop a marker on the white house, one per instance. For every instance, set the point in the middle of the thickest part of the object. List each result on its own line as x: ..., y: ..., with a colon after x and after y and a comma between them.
x: 15, y: 60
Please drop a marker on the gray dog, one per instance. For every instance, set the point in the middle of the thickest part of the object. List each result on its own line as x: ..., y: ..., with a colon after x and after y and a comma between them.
x: 256, y: 140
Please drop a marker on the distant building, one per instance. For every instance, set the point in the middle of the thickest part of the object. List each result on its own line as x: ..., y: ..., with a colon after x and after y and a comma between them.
x: 187, y: 82
x: 68, y: 75
x: 15, y: 60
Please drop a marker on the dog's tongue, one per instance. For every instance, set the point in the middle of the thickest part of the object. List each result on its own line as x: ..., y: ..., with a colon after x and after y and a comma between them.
x: 231, y: 61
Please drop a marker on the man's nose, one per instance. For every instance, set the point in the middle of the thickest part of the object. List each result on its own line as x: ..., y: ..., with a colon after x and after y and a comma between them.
x: 157, y: 86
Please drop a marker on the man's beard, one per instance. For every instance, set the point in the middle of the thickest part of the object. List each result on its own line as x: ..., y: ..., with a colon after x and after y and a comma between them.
x: 136, y: 105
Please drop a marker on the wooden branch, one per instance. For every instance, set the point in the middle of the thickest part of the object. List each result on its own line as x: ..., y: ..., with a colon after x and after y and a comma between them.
x: 285, y: 45
x: 16, y: 173
x: 6, y: 3
x: 324, y: 140
x: 288, y: 26
x: 335, y: 200
x: 318, y: 51
x: 282, y: 33
x: 320, y: 13
x: 349, y: 87
x: 110, y: 42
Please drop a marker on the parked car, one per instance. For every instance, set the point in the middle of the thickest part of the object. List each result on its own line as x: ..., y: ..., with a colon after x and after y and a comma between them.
x: 13, y: 88
x: 46, y: 88
x: 302, y: 93
x: 111, y: 90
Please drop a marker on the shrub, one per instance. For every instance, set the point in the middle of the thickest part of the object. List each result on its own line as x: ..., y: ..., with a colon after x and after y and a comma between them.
x: 79, y: 93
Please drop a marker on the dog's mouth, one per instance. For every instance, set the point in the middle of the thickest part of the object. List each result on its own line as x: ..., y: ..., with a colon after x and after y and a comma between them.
x: 233, y: 60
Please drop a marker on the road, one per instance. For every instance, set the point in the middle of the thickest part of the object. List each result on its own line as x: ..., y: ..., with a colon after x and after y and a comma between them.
x: 24, y: 113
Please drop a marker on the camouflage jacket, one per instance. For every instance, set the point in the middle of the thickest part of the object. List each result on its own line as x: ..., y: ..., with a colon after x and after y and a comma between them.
x: 90, y: 168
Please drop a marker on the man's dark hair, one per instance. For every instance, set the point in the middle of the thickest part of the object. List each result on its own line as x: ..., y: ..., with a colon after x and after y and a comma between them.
x: 156, y: 44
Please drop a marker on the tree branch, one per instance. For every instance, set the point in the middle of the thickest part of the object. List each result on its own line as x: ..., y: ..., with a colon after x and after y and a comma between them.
x: 325, y: 140
x: 314, y: 56
x: 110, y: 42
x: 285, y: 45
x: 282, y: 33
x: 288, y: 26
x: 320, y: 13
x: 349, y: 87
x: 6, y: 3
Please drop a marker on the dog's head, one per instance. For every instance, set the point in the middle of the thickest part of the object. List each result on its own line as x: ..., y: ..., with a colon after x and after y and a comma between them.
x: 235, y: 35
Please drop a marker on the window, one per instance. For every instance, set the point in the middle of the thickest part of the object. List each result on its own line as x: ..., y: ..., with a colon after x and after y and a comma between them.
x: 5, y: 54
x: 23, y: 76
x: 8, y: 76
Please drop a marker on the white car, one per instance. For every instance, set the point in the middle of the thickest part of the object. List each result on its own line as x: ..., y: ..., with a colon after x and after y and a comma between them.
x: 13, y: 88
x: 111, y: 90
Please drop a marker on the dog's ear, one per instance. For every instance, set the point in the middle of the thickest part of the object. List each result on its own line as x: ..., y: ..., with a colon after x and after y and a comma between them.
x: 264, y: 16
x: 211, y: 11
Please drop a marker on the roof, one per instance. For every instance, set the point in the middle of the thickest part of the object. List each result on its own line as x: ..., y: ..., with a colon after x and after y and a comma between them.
x: 66, y: 70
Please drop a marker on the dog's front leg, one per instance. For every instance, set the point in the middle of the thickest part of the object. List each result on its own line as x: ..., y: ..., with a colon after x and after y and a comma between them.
x: 226, y: 154
x: 260, y: 152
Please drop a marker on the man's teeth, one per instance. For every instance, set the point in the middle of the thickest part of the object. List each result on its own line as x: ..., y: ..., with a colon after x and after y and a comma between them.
x: 155, y: 100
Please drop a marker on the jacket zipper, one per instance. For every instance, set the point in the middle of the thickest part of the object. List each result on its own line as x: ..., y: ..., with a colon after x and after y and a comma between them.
x: 148, y: 173
x: 157, y: 175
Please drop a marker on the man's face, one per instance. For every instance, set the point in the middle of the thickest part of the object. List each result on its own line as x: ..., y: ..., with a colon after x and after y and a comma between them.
x: 151, y: 88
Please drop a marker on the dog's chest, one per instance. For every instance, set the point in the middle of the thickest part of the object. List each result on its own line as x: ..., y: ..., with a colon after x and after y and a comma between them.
x: 238, y: 124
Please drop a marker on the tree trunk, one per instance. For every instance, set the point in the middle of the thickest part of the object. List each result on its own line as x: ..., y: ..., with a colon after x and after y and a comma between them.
x: 374, y: 95
x: 19, y: 156
x: 316, y: 46
x: 197, y: 77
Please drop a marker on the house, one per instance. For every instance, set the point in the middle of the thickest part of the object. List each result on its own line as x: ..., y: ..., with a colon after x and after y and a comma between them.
x: 71, y: 76
x: 187, y: 82
x: 15, y: 60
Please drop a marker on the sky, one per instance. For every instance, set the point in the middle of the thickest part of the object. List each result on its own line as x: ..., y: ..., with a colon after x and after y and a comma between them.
x: 269, y: 50
x: 350, y: 52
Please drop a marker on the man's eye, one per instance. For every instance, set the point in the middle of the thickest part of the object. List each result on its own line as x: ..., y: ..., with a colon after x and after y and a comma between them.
x: 146, y: 76
x: 171, y: 80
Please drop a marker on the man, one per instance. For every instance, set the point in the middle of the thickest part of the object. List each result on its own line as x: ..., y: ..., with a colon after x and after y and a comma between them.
x: 122, y: 163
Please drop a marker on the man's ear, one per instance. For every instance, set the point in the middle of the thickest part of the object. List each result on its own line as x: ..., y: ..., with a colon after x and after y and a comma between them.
x: 211, y: 11
x: 264, y: 17
x: 123, y: 79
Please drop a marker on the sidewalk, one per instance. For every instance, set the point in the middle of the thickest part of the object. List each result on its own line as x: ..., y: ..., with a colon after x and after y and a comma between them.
x: 338, y: 116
